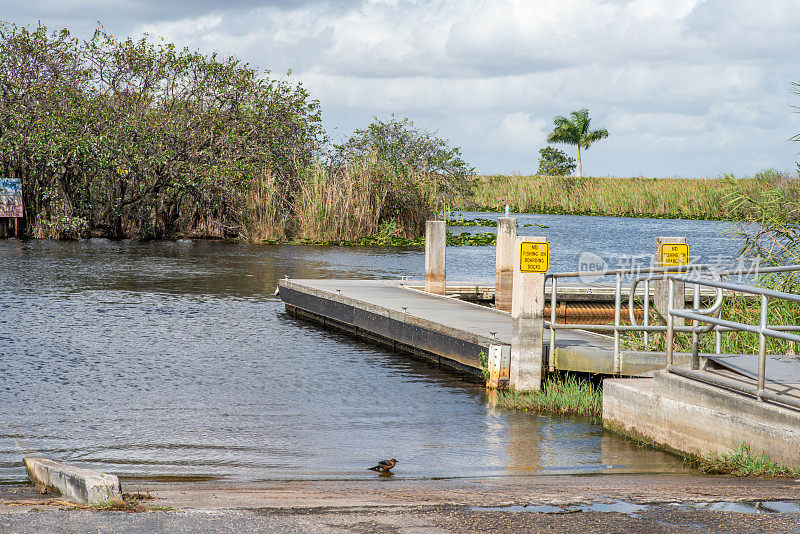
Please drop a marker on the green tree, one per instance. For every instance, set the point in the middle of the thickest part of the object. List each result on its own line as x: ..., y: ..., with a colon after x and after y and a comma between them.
x: 405, y: 148
x: 554, y: 162
x: 414, y: 165
x: 128, y: 138
x: 575, y: 131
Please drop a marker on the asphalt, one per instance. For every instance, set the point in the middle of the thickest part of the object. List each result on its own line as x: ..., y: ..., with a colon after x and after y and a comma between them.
x: 604, y: 503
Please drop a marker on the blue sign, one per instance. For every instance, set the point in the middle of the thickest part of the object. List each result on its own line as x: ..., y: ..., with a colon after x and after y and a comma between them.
x: 11, y: 197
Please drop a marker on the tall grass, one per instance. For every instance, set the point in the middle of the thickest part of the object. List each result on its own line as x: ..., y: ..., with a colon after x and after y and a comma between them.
x: 625, y: 197
x: 364, y: 200
x: 561, y: 394
x: 367, y: 199
x: 741, y: 462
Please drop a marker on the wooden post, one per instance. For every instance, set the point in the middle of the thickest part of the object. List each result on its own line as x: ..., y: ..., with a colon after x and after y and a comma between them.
x: 435, y: 243
x: 660, y: 287
x: 527, y: 320
x: 504, y: 262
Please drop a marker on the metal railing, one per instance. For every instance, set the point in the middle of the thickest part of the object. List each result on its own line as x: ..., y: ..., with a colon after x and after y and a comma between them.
x: 763, y: 329
x: 653, y: 274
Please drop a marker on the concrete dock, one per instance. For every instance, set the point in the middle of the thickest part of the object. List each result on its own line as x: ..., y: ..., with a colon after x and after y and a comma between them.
x: 443, y: 329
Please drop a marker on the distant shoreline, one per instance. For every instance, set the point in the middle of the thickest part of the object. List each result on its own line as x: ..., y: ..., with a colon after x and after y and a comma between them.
x: 654, y: 198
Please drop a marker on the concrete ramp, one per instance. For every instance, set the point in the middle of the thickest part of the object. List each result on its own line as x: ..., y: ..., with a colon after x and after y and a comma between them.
x: 780, y: 369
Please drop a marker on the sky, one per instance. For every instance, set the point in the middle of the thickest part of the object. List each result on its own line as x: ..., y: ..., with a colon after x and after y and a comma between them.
x: 690, y: 88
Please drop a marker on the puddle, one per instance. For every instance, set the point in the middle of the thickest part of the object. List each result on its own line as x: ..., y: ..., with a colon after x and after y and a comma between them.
x: 632, y: 509
x: 622, y: 507
x: 537, y: 508
x: 758, y: 507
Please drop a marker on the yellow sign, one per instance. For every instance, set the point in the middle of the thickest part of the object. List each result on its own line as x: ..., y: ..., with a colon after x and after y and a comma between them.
x: 534, y: 257
x: 673, y: 254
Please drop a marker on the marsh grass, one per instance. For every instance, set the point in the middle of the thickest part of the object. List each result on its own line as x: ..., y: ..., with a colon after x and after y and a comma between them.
x: 734, y: 308
x: 741, y: 462
x: 368, y: 201
x: 683, y: 198
x: 561, y: 394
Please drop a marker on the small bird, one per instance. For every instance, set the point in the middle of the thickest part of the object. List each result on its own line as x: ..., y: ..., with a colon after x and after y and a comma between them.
x: 384, y: 466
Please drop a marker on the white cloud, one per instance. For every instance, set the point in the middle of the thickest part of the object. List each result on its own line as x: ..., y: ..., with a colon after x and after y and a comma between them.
x: 684, y: 86
x: 519, y: 132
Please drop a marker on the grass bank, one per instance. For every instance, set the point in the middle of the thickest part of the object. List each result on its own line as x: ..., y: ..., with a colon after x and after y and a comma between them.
x: 562, y: 394
x: 680, y: 198
x: 742, y: 462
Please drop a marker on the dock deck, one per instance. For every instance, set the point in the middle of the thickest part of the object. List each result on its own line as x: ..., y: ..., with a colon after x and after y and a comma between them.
x: 447, y: 330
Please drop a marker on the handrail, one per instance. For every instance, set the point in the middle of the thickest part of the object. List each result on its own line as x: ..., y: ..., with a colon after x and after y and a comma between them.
x: 753, y: 290
x: 680, y: 273
x: 763, y: 329
x: 617, y: 328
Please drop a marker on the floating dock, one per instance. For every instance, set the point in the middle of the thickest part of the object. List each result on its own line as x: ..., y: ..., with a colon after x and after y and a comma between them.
x: 444, y: 329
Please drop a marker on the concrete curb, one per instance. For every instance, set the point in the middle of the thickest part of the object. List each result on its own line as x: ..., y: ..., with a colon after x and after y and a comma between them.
x: 83, y: 486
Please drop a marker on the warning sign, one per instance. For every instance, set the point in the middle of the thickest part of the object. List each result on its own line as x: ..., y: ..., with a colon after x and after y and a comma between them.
x: 673, y: 254
x: 534, y: 257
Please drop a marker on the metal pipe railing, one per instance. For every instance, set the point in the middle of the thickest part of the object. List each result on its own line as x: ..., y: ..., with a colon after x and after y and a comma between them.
x: 763, y: 330
x: 710, y: 315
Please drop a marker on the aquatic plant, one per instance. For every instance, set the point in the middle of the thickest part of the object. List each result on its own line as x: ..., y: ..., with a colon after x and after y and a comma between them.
x: 483, y: 360
x: 471, y: 222
x: 560, y: 394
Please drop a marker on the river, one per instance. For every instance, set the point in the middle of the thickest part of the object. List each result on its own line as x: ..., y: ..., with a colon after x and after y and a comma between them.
x: 173, y: 360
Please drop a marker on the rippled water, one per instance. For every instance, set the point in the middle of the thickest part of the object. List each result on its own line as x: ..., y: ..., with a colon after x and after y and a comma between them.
x: 174, y: 359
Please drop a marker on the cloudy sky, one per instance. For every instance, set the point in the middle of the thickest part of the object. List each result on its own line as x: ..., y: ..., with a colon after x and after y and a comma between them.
x: 685, y: 87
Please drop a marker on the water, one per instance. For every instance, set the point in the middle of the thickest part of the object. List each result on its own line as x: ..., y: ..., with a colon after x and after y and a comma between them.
x: 173, y: 360
x: 634, y: 509
x: 621, y: 242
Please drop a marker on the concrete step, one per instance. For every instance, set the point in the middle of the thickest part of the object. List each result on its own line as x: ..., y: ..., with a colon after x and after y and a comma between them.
x: 691, y: 417
x: 678, y: 388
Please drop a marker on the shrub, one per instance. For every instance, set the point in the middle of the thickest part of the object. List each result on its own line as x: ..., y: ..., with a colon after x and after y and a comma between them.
x: 554, y: 162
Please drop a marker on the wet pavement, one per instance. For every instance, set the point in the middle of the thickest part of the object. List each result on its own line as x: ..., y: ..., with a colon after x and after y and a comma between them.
x: 604, y: 503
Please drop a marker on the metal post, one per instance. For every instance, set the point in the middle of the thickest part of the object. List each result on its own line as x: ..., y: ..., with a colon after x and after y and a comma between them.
x: 646, y: 311
x: 553, y: 304
x: 695, y: 335
x: 762, y: 346
x: 670, y: 319
x: 617, y: 306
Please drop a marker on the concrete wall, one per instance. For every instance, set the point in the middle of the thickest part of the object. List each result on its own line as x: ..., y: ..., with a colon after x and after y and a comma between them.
x: 688, y: 417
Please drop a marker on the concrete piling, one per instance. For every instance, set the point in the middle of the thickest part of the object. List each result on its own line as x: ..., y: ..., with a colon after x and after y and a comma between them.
x: 660, y: 290
x: 527, y: 324
x: 435, y: 244
x: 504, y: 262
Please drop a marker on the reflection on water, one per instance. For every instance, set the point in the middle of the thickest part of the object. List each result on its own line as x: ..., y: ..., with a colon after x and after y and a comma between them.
x: 174, y: 359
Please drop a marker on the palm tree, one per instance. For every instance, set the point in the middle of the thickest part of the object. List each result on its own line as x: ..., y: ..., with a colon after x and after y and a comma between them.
x: 576, y: 132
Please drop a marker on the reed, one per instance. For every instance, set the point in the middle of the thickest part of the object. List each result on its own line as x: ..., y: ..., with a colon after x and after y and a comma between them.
x: 365, y: 201
x: 561, y: 394
x: 682, y: 198
x: 741, y: 462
